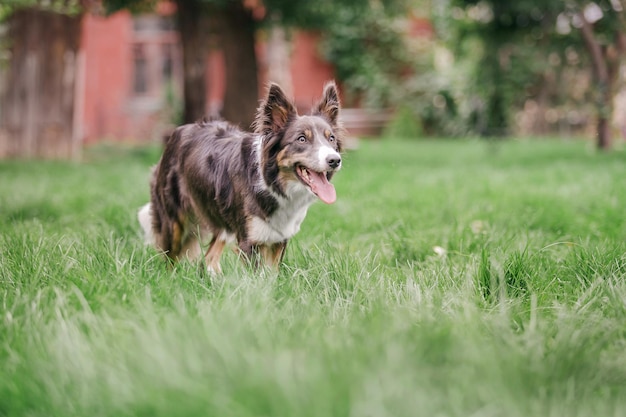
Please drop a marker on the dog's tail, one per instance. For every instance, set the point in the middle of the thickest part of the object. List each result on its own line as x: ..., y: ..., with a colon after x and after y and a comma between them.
x: 145, y: 220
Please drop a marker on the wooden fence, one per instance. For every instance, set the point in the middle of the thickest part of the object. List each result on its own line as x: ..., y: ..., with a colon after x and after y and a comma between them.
x: 38, y: 88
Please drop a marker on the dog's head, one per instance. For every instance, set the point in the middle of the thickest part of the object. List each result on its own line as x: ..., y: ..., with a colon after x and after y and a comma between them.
x: 296, y: 149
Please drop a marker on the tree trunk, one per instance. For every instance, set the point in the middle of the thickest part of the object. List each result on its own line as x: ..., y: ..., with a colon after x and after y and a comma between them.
x: 604, y: 133
x: 193, y: 28
x: 236, y: 31
x: 37, y: 102
x: 603, y: 83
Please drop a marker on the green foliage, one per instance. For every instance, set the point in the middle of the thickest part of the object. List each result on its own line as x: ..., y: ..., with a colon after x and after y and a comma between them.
x: 59, y: 6
x: 135, y: 6
x: 518, y: 51
x: 322, y: 14
x: 519, y: 312
x: 608, y: 24
x: 404, y: 124
x: 508, y: 59
x: 367, y: 48
x: 382, y: 67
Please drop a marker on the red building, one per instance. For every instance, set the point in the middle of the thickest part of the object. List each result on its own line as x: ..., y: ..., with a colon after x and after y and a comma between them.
x: 129, y: 83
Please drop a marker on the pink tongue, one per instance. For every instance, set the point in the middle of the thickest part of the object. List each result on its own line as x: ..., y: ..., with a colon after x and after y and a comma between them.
x: 322, y: 188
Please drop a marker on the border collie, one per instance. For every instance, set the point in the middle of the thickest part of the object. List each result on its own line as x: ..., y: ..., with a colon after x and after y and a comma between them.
x: 215, y: 180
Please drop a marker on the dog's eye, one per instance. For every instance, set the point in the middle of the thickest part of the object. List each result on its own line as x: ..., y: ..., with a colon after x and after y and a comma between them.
x: 332, y: 138
x: 301, y: 139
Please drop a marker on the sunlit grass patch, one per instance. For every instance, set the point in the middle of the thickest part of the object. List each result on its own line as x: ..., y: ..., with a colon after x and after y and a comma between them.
x: 450, y: 278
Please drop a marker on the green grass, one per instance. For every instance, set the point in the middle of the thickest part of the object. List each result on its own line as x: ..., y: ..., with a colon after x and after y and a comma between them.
x: 521, y: 313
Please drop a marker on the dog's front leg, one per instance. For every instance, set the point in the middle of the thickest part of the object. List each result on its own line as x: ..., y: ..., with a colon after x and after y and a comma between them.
x: 273, y: 254
x: 257, y: 255
x: 270, y: 255
x: 214, y: 253
x: 249, y: 253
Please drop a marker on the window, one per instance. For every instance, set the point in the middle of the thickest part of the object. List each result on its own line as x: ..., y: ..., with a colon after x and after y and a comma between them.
x: 157, y: 67
x: 140, y: 64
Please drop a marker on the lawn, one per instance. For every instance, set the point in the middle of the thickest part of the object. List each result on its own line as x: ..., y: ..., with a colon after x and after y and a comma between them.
x: 451, y: 278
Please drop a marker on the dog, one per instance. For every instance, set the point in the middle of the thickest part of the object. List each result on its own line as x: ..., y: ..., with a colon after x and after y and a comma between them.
x: 249, y: 188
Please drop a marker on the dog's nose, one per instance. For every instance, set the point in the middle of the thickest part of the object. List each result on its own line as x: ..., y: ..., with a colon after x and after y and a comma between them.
x: 333, y: 161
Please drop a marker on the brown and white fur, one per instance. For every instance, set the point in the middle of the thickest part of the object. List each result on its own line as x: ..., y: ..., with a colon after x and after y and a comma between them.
x: 250, y: 188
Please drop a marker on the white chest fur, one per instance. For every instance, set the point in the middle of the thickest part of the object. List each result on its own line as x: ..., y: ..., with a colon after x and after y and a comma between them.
x: 285, y: 222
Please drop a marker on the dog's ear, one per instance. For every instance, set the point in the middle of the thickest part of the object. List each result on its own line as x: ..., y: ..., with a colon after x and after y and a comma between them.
x: 329, y: 104
x: 274, y: 112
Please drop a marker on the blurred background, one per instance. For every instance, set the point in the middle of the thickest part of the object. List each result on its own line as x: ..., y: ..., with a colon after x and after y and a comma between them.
x: 79, y: 72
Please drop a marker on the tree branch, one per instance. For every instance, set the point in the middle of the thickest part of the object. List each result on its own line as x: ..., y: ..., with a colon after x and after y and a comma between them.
x: 595, y: 49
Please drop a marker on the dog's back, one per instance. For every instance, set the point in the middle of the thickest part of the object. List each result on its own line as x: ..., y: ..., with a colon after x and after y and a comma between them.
x: 194, y: 185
